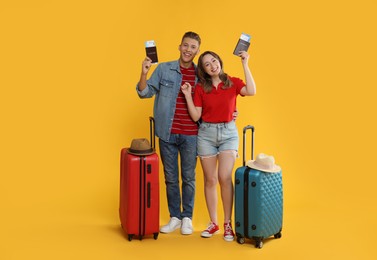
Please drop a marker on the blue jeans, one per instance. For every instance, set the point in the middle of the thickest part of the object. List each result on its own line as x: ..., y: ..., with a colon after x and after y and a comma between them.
x: 185, y: 145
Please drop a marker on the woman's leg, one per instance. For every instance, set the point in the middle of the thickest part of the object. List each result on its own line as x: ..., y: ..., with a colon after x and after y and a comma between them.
x: 210, y: 185
x: 226, y: 163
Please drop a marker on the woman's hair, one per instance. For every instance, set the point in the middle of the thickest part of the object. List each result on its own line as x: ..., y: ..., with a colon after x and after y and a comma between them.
x: 205, y: 79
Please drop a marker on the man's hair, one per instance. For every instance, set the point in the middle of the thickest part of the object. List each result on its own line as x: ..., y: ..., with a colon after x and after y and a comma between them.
x: 192, y: 35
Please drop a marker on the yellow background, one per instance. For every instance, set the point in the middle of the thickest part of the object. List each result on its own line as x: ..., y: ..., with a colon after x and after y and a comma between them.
x: 68, y: 104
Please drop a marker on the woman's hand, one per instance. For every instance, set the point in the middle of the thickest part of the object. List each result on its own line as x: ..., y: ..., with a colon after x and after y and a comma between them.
x: 244, y: 57
x: 186, y: 88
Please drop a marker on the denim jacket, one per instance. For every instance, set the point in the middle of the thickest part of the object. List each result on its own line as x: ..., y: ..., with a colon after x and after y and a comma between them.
x: 165, y: 82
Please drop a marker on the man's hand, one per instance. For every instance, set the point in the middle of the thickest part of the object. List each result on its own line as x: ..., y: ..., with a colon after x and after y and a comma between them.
x: 147, y: 63
x: 235, y: 115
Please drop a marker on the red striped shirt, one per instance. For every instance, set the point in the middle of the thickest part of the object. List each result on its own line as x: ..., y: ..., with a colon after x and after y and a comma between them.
x: 182, y: 122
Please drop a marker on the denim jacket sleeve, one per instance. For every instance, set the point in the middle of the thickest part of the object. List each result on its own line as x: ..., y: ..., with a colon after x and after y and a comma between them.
x: 153, y: 84
x: 164, y: 84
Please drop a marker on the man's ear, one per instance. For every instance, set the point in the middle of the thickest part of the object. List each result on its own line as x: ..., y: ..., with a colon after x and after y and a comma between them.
x: 197, y: 52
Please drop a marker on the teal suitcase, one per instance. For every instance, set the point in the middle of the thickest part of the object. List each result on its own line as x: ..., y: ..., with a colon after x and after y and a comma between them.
x: 258, y: 201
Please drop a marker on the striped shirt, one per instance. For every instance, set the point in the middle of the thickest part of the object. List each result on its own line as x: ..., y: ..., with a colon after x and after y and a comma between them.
x: 182, y: 122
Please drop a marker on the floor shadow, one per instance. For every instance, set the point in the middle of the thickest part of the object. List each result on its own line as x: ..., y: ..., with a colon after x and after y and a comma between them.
x: 266, y: 241
x: 117, y: 230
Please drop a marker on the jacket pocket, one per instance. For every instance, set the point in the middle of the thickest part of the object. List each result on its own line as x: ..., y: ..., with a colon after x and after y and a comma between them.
x: 166, y: 88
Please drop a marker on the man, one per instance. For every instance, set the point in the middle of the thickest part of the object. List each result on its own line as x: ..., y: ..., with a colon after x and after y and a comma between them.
x: 176, y: 130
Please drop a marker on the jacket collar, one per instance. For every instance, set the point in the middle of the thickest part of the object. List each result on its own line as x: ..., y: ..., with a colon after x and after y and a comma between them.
x: 176, y: 66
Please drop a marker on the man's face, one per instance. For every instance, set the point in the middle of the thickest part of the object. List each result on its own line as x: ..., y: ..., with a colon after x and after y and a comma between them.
x: 189, y: 48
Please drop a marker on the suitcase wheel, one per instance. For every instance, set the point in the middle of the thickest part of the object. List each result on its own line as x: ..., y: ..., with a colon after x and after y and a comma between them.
x: 155, y: 235
x: 259, y: 243
x: 130, y: 236
x: 278, y: 235
x: 240, y: 240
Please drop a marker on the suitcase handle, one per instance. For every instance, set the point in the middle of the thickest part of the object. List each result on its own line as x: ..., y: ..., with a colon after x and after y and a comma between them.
x: 152, y: 132
x: 244, y: 143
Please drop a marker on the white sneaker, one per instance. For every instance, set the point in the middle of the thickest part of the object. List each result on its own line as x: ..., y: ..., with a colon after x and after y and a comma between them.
x: 173, y: 224
x: 186, y: 228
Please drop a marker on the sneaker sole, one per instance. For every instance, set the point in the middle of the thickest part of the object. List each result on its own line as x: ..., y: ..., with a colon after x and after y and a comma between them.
x: 186, y: 232
x: 209, y: 235
x: 168, y: 231
x: 228, y: 239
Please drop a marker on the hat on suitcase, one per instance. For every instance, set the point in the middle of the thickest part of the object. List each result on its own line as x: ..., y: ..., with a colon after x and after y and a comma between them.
x: 140, y: 146
x: 265, y: 163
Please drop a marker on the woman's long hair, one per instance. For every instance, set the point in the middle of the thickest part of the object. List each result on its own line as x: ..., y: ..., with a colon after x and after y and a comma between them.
x: 205, y: 79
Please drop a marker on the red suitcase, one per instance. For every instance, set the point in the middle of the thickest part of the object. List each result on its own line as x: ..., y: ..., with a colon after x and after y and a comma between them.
x: 139, y: 193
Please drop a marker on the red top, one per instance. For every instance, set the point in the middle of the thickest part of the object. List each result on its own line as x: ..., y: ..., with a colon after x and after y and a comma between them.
x: 182, y: 122
x: 218, y: 105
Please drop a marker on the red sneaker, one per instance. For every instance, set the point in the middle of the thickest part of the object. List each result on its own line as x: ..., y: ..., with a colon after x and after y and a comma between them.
x: 211, y: 230
x: 228, y: 232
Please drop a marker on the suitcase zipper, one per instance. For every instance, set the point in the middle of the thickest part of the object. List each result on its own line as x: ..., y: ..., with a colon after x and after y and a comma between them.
x: 246, y: 202
x: 140, y: 196
x: 145, y: 197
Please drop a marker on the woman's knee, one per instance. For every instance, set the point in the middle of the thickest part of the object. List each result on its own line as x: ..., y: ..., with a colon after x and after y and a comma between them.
x: 225, y: 180
x: 210, y: 181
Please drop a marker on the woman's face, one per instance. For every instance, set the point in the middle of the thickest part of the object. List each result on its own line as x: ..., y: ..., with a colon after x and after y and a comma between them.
x: 211, y: 65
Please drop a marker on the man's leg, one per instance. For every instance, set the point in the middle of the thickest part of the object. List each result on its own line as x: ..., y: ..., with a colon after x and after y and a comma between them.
x: 187, y: 148
x: 169, y: 158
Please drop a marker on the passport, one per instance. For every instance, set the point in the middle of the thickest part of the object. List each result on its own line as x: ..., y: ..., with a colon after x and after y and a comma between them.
x: 151, y: 50
x: 242, y: 44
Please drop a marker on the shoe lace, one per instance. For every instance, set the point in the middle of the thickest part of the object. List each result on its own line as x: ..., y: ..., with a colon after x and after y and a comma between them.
x: 228, y: 229
x: 211, y: 226
x: 186, y: 221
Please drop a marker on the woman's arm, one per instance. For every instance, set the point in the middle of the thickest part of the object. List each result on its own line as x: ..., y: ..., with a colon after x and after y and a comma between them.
x: 249, y: 89
x: 195, y: 112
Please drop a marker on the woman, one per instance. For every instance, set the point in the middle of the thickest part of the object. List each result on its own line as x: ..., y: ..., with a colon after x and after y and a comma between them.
x: 214, y: 102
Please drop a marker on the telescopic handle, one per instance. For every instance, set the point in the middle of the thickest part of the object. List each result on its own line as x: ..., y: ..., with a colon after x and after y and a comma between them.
x: 244, y: 143
x: 152, y: 133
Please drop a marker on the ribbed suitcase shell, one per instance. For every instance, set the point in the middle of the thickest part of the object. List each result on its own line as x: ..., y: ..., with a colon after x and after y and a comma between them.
x: 258, y: 204
x: 139, y: 194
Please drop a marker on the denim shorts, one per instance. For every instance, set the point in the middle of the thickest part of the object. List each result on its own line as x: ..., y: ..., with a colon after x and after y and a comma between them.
x: 214, y: 138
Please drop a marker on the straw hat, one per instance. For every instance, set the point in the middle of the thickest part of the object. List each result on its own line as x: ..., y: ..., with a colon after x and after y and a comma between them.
x: 264, y: 163
x: 140, y: 147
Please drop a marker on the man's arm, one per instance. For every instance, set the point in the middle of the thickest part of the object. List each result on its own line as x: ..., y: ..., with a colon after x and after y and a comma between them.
x: 146, y: 65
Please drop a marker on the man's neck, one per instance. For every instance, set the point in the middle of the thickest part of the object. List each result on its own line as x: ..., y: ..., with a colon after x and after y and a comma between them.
x: 185, y: 65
